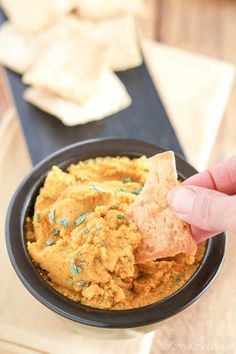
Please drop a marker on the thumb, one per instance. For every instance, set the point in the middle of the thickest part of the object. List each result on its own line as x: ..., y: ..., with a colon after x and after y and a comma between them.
x: 204, y: 208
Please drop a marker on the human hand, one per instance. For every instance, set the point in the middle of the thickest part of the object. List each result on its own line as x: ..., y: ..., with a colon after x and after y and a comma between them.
x: 207, y: 200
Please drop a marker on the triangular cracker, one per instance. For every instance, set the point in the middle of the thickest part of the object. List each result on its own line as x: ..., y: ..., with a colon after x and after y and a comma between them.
x: 164, y: 234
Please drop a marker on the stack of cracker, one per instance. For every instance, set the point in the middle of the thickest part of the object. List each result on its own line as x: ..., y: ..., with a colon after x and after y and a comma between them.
x: 68, y: 50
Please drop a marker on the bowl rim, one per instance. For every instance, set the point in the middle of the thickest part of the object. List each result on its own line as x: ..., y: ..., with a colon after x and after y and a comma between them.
x: 23, y: 200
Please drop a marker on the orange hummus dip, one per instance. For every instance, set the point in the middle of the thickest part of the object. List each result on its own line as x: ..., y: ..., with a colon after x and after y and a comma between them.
x: 82, y: 244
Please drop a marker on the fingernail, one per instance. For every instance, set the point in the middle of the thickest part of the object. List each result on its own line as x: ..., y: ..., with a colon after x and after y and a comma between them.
x: 181, y: 199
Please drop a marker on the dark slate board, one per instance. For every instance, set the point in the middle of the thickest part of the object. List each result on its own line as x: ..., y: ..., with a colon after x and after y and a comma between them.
x: 145, y: 119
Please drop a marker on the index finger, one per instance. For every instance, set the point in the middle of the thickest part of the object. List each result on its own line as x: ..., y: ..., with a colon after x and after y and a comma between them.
x: 221, y: 177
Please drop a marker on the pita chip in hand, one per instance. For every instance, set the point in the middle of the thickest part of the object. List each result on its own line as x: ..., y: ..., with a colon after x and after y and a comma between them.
x: 164, y: 234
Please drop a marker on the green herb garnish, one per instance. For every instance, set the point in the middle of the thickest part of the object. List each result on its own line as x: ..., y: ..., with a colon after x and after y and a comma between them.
x: 85, y: 230
x: 37, y: 217
x: 81, y: 218
x: 70, y: 280
x: 100, y: 243
x: 127, y: 180
x: 177, y: 278
x: 138, y: 191
x: 121, y: 217
x: 114, y: 207
x: 82, y: 283
x: 54, y: 231
x: 121, y: 190
x: 75, y: 270
x: 64, y: 222
x: 98, y: 229
x: 98, y: 189
x: 51, y: 216
x: 49, y: 242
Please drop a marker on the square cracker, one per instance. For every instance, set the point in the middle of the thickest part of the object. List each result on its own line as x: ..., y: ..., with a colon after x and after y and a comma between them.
x: 121, y: 38
x: 17, y: 51
x: 100, y: 9
x: 34, y: 15
x: 109, y: 97
x: 118, y: 34
x: 164, y: 234
x: 70, y: 65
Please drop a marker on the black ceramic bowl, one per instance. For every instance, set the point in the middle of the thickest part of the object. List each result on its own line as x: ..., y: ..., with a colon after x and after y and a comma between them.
x: 22, y: 205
